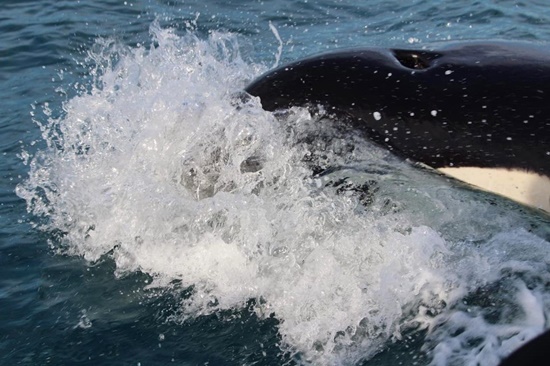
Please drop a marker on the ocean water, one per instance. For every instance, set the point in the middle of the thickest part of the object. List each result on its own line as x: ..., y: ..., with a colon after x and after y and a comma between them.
x: 150, y: 216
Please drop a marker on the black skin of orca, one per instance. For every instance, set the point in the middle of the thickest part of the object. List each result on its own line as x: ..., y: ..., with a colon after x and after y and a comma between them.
x: 534, y: 353
x: 470, y: 104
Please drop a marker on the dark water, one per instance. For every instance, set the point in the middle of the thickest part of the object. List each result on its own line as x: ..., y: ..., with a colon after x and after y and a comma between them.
x: 67, y: 299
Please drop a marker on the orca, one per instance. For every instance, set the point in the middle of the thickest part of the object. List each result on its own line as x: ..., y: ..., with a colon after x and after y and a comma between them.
x: 477, y: 111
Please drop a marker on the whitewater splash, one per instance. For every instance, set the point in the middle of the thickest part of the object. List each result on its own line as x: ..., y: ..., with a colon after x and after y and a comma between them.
x: 165, y: 167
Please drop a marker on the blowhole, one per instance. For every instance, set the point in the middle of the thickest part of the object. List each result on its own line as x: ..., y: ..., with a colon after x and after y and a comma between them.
x: 416, y: 60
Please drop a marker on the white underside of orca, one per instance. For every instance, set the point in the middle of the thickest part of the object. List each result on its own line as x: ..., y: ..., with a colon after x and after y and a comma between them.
x: 528, y: 188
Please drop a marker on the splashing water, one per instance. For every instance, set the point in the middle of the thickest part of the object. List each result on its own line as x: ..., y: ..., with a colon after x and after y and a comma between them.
x: 164, y: 166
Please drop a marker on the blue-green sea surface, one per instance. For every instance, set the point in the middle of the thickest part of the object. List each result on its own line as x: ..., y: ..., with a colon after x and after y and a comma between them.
x: 151, y: 216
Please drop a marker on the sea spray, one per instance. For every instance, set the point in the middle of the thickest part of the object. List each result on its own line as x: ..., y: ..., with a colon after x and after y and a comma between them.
x: 165, y: 166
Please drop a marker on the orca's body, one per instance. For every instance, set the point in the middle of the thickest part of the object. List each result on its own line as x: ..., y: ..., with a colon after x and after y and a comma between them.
x: 468, y: 108
x: 478, y: 106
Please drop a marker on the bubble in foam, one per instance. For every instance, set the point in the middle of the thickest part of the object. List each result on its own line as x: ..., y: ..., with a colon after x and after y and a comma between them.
x: 164, y: 166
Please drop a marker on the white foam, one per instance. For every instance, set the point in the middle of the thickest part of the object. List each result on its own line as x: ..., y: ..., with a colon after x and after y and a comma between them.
x: 161, y: 167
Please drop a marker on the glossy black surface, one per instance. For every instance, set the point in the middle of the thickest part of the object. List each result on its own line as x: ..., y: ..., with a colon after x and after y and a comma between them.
x: 470, y: 104
x: 534, y: 353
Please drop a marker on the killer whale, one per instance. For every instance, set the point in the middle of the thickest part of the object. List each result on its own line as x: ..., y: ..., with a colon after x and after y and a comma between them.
x: 472, y: 106
x: 464, y: 109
